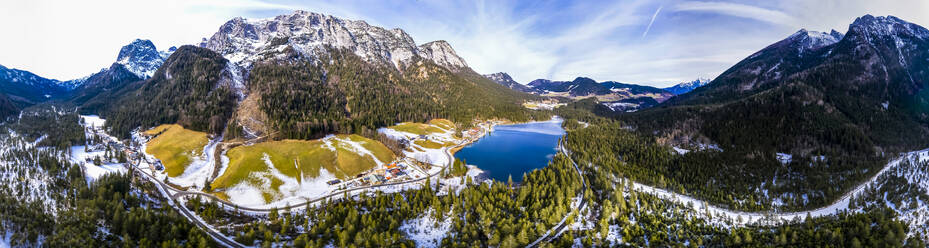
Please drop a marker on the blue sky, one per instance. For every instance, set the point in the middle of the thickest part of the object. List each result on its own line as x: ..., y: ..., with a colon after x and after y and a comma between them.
x: 655, y: 43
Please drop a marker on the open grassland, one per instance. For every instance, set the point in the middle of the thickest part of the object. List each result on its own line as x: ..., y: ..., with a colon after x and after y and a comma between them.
x: 175, y: 147
x: 432, y: 144
x: 443, y: 123
x: 343, y: 156
x: 434, y: 126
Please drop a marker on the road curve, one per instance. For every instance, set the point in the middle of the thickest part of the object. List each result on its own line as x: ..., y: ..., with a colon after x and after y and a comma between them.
x: 166, y: 190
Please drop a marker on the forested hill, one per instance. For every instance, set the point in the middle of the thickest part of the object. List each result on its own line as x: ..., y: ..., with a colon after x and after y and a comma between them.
x: 189, y: 88
x: 7, y: 107
x: 811, y: 93
x: 808, y: 116
x: 298, y: 99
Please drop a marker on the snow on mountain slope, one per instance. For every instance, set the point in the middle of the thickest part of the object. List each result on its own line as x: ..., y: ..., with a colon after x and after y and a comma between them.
x: 811, y: 40
x: 141, y: 58
x: 685, y: 87
x: 245, y: 41
x: 27, y: 87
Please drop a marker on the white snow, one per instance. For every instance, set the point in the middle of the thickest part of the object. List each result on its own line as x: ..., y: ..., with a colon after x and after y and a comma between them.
x: 784, y: 158
x: 425, y: 230
x: 93, y: 121
x: 5, y: 242
x: 680, y: 151
x: 200, y: 169
x: 291, y: 192
x: 768, y: 218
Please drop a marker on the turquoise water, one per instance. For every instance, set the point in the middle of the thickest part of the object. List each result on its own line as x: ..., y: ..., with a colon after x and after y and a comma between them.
x: 514, y: 149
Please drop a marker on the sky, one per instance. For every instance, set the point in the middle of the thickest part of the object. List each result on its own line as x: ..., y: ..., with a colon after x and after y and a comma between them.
x: 657, y: 43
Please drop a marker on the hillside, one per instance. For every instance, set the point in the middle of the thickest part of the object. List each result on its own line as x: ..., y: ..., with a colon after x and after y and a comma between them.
x: 846, y: 102
x: 373, y: 78
x: 189, y: 89
x: 22, y: 89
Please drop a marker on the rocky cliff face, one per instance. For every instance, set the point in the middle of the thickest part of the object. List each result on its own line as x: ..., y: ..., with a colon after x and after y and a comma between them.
x: 504, y: 79
x: 141, y: 58
x: 310, y: 35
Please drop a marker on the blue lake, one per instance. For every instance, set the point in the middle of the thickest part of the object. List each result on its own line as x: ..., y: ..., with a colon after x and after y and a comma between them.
x: 514, y: 149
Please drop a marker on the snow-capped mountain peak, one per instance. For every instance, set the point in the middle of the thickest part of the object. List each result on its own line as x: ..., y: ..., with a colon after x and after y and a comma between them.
x: 442, y: 54
x: 887, y: 25
x: 141, y: 58
x: 811, y: 40
x: 244, y: 41
x: 685, y: 87
x: 500, y: 77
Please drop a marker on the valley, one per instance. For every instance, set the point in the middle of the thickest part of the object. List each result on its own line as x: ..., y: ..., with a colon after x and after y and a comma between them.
x: 306, y: 129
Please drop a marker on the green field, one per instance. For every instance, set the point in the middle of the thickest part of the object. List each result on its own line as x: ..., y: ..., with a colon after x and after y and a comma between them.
x: 175, y: 146
x: 299, y: 159
x: 428, y: 144
x: 434, y: 126
x: 443, y: 123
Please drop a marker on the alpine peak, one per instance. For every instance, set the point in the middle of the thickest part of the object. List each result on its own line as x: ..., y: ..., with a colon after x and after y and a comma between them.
x: 141, y: 58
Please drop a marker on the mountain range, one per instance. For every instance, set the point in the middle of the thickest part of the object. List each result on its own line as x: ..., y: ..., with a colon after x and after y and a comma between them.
x: 614, y: 95
x: 340, y: 75
x: 684, y: 87
x: 135, y: 61
x: 871, y: 79
x: 813, y: 107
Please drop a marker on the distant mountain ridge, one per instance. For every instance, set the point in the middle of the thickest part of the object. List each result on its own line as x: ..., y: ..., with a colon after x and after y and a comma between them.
x: 615, y: 95
x: 685, y: 87
x: 136, y: 61
x: 22, y: 89
x: 504, y: 79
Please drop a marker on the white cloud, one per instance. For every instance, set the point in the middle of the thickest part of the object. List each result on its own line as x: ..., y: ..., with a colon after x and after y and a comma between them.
x: 739, y: 10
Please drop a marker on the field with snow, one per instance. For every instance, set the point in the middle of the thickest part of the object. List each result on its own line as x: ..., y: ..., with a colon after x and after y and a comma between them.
x: 294, y: 171
x: 426, y: 141
x: 176, y: 147
x: 426, y: 230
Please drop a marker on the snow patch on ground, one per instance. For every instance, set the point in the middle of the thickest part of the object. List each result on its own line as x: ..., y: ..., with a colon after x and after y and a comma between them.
x: 435, y: 157
x: 784, y: 158
x: 93, y: 121
x: 291, y: 192
x: 5, y: 242
x: 200, y: 169
x: 92, y: 171
x: 425, y: 230
x: 728, y: 217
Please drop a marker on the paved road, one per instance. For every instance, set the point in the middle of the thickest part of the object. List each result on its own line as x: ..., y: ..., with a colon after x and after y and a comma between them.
x: 553, y: 233
x: 166, y: 190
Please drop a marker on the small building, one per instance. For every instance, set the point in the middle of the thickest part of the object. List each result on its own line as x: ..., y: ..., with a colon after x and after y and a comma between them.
x: 334, y: 182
